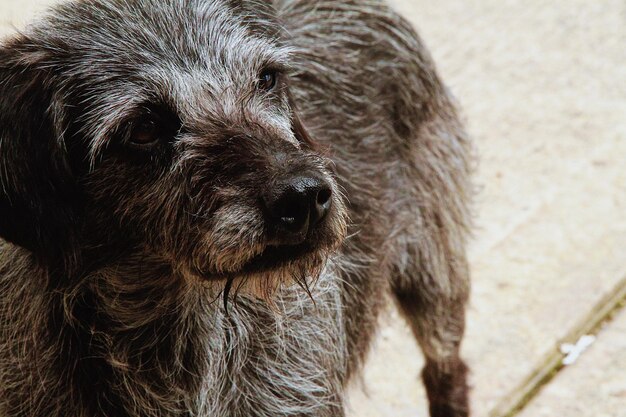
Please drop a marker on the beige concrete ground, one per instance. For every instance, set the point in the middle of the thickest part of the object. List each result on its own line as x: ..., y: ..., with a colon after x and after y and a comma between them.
x: 543, y: 85
x: 599, y: 378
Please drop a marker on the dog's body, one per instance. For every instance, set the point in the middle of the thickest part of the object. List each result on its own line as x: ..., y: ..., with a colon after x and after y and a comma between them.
x: 120, y: 248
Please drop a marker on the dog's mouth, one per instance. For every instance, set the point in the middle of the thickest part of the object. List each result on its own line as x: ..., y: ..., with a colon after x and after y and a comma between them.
x: 272, y: 258
x: 275, y: 257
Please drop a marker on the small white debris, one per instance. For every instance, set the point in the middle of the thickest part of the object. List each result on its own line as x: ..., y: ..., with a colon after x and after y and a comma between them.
x: 573, y: 352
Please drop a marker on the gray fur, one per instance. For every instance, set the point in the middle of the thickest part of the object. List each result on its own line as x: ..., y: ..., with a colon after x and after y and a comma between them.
x: 113, y: 262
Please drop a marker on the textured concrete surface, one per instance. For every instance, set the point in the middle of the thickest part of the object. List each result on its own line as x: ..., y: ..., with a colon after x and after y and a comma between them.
x: 597, y: 378
x: 543, y: 86
x: 15, y: 14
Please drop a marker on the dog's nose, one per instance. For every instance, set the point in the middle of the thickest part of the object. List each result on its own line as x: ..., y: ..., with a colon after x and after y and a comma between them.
x: 295, y: 205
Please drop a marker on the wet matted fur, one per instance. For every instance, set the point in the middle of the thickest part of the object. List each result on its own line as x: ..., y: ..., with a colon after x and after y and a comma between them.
x: 140, y: 271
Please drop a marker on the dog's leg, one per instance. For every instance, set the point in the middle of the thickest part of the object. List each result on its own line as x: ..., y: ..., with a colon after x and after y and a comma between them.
x: 436, y: 315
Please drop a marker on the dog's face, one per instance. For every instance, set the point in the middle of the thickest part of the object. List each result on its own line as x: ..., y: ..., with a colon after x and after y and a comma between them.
x: 163, y: 129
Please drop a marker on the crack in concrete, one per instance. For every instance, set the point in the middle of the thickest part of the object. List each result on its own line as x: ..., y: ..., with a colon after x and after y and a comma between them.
x: 552, y: 363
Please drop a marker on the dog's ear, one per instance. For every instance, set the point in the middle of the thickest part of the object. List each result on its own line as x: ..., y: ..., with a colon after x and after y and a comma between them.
x: 36, y: 188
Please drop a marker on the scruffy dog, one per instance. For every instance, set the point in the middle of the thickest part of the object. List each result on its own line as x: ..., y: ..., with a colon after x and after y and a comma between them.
x: 205, y: 205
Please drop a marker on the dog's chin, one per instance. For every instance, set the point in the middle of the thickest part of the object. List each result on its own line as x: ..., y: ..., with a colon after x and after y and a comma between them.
x: 277, y: 257
x: 264, y: 274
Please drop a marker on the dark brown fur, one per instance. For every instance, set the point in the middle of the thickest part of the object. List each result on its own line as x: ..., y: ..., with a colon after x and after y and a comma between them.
x: 115, y: 254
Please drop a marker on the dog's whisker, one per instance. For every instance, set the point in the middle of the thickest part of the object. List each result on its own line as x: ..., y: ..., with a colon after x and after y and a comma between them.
x: 226, y: 293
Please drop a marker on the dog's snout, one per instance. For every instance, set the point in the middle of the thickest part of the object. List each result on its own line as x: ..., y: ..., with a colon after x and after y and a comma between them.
x: 296, y: 205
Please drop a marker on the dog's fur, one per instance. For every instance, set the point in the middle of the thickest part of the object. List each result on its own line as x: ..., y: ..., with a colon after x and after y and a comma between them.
x: 135, y: 281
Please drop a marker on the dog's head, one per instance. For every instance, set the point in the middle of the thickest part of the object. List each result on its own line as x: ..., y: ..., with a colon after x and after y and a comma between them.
x: 167, y: 128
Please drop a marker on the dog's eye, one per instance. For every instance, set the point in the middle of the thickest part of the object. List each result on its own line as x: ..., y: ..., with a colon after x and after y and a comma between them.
x: 267, y: 80
x: 153, y: 125
x: 145, y: 133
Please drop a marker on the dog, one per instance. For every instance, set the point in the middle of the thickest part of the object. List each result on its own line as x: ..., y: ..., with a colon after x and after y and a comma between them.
x: 206, y: 204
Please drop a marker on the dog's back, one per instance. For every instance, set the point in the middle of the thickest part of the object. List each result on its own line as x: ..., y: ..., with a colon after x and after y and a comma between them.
x: 160, y: 345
